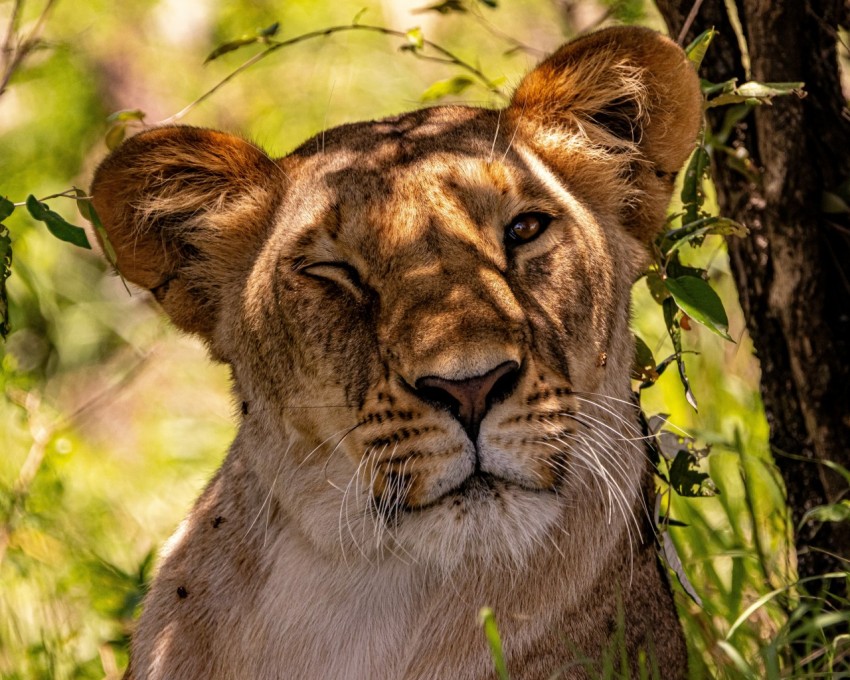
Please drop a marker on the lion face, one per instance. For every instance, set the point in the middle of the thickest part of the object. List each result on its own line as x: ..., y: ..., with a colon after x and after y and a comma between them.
x: 427, y: 316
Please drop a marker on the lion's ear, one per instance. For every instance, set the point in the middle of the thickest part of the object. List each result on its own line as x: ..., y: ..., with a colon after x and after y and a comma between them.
x: 628, y: 89
x: 186, y: 211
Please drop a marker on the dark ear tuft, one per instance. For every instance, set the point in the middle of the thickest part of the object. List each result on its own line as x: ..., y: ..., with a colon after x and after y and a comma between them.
x: 186, y: 210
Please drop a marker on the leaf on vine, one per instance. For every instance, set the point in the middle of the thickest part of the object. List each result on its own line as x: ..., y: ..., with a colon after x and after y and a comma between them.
x: 445, y: 7
x: 671, y: 557
x: 231, y: 46
x: 692, y: 193
x: 697, y: 49
x: 125, y: 116
x: 836, y: 512
x: 416, y: 38
x: 56, y: 224
x: 696, y: 298
x: 444, y: 88
x: 6, y: 208
x: 5, y: 270
x: 712, y: 226
x: 271, y: 31
x: 656, y: 287
x: 115, y: 135
x: 670, y: 312
x: 756, y: 93
x: 643, y: 364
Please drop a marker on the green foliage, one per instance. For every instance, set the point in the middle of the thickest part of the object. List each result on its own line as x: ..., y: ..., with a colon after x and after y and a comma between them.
x: 494, y: 642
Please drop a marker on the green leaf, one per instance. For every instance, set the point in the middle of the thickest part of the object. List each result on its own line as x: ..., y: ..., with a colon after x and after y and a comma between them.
x: 416, y: 38
x: 56, y: 224
x: 756, y: 93
x: 696, y: 50
x: 359, y: 15
x: 714, y: 226
x: 643, y: 364
x: 692, y: 193
x: 656, y: 287
x: 125, y: 116
x: 115, y: 135
x: 231, y: 46
x: 697, y: 299
x: 83, y: 204
x: 685, y: 475
x: 675, y: 333
x: 837, y: 512
x: 5, y: 273
x: 491, y: 632
x: 444, y: 88
x: 6, y: 208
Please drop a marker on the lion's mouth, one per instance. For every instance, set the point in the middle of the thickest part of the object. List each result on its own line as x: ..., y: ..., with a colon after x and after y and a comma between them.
x: 478, y: 487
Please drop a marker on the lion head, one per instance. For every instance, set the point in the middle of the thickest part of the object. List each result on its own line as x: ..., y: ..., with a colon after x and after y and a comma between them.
x: 426, y: 316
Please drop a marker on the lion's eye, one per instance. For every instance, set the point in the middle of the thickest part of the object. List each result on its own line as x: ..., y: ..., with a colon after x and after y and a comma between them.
x: 526, y: 227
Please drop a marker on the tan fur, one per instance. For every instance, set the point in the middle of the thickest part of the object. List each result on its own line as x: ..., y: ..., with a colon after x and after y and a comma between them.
x: 355, y: 529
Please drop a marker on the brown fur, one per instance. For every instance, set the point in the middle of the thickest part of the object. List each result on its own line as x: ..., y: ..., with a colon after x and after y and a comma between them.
x: 355, y: 529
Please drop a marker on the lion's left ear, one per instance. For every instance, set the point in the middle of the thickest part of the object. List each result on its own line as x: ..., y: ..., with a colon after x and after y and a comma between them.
x: 626, y: 88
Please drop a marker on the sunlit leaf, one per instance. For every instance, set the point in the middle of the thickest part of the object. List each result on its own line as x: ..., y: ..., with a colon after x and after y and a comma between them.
x: 56, y: 224
x: 836, y: 512
x: 696, y: 50
x: 494, y: 642
x: 115, y: 135
x: 444, y: 88
x: 715, y: 226
x: 756, y: 93
x: 6, y: 208
x: 416, y: 38
x: 126, y: 115
x: 697, y: 299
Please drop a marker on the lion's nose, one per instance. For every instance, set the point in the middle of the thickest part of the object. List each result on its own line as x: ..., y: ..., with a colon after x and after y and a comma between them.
x: 469, y: 399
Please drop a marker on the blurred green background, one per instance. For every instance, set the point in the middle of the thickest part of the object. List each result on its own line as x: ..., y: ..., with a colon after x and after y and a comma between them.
x: 111, y: 421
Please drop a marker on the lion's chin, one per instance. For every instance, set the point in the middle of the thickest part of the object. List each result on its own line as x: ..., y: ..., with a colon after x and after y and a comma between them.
x: 485, y: 521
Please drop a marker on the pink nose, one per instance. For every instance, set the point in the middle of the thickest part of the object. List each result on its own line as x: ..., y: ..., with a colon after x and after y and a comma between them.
x: 469, y: 399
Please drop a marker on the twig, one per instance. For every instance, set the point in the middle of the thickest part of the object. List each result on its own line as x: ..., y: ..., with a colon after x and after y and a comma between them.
x: 20, y: 52
x: 274, y: 45
x: 689, y: 21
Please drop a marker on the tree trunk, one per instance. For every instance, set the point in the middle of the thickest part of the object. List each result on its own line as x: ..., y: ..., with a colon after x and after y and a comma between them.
x: 793, y: 271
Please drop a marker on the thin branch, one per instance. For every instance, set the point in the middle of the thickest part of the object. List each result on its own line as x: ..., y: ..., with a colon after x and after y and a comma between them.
x: 274, y: 46
x: 19, y: 53
x: 689, y: 21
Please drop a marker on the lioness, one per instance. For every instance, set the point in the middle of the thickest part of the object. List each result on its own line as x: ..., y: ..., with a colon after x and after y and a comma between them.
x: 427, y: 322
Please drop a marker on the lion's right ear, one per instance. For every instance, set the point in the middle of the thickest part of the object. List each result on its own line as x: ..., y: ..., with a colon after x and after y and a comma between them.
x: 186, y: 211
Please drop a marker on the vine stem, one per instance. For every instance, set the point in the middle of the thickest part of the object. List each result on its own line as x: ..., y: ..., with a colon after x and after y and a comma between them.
x: 692, y: 15
x: 275, y: 45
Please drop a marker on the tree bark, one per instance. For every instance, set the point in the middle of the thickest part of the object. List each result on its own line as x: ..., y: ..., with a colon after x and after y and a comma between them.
x: 793, y: 271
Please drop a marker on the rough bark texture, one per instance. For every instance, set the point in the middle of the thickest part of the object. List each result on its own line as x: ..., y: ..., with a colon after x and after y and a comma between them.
x: 793, y: 271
